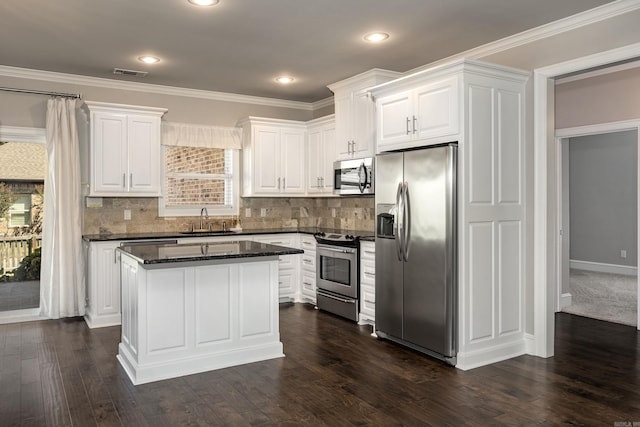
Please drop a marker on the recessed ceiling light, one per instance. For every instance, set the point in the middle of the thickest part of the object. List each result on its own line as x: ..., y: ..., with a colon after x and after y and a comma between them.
x: 284, y: 79
x: 376, y: 37
x: 147, y: 59
x: 204, y: 2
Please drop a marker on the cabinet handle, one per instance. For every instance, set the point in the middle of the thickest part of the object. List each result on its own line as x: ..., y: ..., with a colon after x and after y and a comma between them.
x: 306, y: 261
x: 322, y: 181
x: 370, y: 252
x: 370, y: 302
x: 284, y: 183
x: 278, y: 183
x: 369, y: 274
x: 130, y: 180
x: 415, y: 124
x: 307, y: 283
x: 124, y: 180
x: 408, y: 125
x: 353, y: 147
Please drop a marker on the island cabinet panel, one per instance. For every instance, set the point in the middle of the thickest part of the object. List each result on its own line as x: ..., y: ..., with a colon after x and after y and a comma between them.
x: 213, y: 311
x: 190, y: 317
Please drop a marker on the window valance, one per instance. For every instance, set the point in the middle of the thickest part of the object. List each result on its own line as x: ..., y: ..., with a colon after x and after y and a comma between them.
x: 188, y: 135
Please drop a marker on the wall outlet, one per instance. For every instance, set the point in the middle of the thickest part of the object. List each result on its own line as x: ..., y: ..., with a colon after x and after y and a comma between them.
x: 263, y: 212
x: 247, y: 212
x: 623, y: 253
x: 127, y: 214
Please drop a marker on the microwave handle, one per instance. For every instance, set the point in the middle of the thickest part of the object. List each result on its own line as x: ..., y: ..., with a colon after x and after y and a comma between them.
x: 362, y: 182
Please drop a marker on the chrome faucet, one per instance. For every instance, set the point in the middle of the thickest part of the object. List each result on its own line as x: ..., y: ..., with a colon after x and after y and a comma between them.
x: 203, y: 213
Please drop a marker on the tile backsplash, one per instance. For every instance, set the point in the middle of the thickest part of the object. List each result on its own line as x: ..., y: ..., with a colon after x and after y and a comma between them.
x: 346, y: 213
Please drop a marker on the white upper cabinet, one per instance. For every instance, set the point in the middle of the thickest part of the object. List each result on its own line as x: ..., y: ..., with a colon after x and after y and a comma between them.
x: 431, y: 110
x: 124, y: 150
x: 321, y: 143
x: 354, y: 113
x: 273, y: 157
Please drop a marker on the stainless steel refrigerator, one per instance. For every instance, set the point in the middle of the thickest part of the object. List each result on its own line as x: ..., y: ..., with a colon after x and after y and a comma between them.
x: 416, y: 252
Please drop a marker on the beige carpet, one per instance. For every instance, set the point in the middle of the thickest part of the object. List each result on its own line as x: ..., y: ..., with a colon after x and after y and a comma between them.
x: 604, y: 296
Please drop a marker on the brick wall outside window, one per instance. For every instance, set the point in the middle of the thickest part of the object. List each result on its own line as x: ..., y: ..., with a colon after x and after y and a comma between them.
x: 194, y: 191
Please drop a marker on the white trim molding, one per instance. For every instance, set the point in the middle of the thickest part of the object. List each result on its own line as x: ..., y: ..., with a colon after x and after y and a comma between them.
x: 78, y: 80
x: 601, y: 267
x: 565, y: 300
x: 588, y: 17
x: 22, y: 134
x: 545, y: 246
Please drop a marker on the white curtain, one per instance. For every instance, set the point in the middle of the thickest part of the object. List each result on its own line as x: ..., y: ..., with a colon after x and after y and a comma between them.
x: 187, y: 135
x: 62, y: 291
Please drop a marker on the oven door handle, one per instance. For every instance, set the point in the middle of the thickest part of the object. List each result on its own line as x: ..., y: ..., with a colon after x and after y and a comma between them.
x: 345, y: 300
x: 342, y: 251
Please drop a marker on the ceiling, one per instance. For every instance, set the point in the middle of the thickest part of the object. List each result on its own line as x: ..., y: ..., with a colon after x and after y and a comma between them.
x: 240, y: 46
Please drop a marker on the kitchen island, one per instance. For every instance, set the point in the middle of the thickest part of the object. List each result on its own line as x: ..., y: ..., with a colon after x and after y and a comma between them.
x: 190, y: 308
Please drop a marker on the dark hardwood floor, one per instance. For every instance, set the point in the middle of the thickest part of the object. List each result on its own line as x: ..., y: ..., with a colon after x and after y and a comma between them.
x: 60, y: 372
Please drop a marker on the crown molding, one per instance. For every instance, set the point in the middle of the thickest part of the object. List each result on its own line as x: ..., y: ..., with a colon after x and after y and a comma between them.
x: 22, y: 134
x: 322, y: 103
x: 591, y: 16
x: 75, y: 80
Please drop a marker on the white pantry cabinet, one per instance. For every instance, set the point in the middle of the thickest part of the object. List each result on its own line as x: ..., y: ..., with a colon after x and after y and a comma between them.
x: 490, y: 194
x: 367, y: 283
x: 273, y: 156
x: 321, y: 143
x: 354, y: 112
x: 428, y: 111
x: 124, y: 150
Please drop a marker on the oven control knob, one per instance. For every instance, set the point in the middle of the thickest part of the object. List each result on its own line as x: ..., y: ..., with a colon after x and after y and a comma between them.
x: 349, y: 237
x: 319, y: 234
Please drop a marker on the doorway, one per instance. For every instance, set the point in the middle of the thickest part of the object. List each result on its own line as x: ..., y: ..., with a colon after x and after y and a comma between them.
x: 597, y: 188
x: 22, y: 175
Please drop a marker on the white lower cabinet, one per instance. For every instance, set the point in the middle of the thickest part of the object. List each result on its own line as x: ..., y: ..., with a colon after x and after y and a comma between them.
x: 296, y: 273
x: 308, y: 269
x: 367, y: 283
x: 103, y: 284
x: 288, y: 266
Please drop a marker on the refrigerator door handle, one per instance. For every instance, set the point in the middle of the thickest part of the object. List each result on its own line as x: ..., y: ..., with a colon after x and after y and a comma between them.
x: 407, y: 217
x: 398, y: 224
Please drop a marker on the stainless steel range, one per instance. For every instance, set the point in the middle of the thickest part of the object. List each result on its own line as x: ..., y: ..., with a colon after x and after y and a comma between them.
x: 337, y: 277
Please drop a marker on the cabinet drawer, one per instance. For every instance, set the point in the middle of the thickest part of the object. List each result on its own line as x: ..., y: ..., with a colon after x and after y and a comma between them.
x: 368, y: 300
x: 367, y: 271
x: 307, y: 243
x: 308, y: 283
x: 368, y: 250
x: 309, y: 261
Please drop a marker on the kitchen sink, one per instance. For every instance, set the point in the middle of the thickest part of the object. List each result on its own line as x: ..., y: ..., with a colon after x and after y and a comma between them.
x: 207, y: 232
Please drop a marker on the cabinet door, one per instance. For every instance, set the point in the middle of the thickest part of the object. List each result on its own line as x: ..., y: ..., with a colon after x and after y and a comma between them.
x: 266, y: 172
x: 144, y: 155
x: 344, y: 111
x: 327, y: 158
x: 394, y: 114
x: 103, y: 286
x: 315, y: 155
x: 109, y: 156
x: 436, y: 109
x: 292, y: 160
x: 363, y: 125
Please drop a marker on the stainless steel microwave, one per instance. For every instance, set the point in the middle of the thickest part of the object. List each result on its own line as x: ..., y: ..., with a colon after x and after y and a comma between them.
x: 353, y: 176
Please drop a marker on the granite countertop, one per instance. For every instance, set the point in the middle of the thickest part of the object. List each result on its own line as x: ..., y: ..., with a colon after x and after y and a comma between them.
x: 185, y: 252
x: 367, y: 235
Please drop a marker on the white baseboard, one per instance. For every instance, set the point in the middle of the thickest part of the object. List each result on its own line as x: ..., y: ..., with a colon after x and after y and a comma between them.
x: 565, y: 300
x: 601, y: 267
